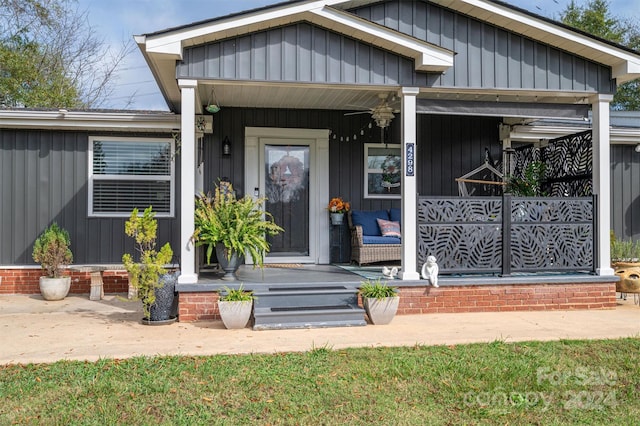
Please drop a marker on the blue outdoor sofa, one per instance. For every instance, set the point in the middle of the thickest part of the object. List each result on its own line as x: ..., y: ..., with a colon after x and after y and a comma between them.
x: 368, y: 244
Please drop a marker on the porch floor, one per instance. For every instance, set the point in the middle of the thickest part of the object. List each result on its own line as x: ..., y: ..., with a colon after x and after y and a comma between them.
x: 352, y: 275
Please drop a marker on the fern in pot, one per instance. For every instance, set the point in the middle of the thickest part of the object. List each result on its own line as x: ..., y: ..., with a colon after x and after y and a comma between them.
x: 234, y: 228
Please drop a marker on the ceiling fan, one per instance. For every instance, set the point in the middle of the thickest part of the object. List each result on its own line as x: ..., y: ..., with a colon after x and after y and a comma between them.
x: 382, y: 113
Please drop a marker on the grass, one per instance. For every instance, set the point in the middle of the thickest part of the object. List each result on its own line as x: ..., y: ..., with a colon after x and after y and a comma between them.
x: 565, y: 382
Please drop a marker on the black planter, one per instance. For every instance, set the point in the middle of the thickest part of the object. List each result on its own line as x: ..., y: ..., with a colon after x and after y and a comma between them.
x: 164, y: 307
x: 228, y: 265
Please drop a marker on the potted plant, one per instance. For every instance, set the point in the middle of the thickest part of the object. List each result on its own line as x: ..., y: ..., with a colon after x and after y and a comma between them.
x: 337, y: 208
x: 625, y: 258
x: 529, y: 185
x: 233, y: 227
x: 52, y: 251
x: 235, y: 307
x: 145, y: 273
x: 380, y: 301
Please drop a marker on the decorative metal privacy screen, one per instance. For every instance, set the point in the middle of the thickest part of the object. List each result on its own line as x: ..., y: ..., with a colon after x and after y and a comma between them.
x: 474, y: 235
x: 568, y: 165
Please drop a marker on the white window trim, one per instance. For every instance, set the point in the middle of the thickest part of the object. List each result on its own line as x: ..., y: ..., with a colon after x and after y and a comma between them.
x: 368, y: 171
x: 91, y: 176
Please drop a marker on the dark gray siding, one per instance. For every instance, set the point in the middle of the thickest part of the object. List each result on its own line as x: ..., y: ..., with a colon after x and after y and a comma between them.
x: 43, y: 179
x: 297, y: 53
x: 625, y: 191
x: 448, y: 147
x: 485, y: 56
x: 488, y: 56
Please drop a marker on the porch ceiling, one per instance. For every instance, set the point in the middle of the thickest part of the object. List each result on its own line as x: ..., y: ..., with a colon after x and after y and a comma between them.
x: 353, y: 98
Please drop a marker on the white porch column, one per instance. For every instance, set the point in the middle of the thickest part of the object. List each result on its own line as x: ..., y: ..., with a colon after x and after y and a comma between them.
x: 187, y: 180
x: 602, y: 180
x: 409, y: 185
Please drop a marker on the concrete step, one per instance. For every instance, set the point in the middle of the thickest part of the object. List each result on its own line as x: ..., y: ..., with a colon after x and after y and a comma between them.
x: 283, y: 307
x: 288, y: 296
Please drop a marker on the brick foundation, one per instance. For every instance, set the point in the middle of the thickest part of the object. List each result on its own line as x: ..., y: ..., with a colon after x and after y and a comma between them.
x: 26, y: 281
x: 508, y: 297
x: 200, y: 306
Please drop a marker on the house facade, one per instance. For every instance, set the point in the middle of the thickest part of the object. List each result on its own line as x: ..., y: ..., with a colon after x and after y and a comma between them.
x: 292, y: 101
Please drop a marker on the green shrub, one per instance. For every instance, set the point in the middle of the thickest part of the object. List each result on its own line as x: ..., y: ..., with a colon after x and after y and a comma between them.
x: 624, y: 250
x: 144, y: 274
x: 51, y: 250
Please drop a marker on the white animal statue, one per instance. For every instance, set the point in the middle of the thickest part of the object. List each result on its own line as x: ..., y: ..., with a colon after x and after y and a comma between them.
x: 430, y: 271
x: 389, y: 273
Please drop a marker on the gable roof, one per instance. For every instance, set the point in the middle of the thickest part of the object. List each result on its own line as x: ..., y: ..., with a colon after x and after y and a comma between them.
x: 162, y: 49
x: 624, y: 62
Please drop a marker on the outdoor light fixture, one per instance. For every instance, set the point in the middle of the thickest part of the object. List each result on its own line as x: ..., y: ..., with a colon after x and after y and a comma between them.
x: 383, y: 116
x: 638, y: 148
x: 226, y: 146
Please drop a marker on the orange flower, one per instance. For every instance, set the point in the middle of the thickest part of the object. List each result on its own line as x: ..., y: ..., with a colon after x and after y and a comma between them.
x: 337, y: 205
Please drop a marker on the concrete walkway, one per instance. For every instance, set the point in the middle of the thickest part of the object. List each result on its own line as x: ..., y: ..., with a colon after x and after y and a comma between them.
x: 36, y: 331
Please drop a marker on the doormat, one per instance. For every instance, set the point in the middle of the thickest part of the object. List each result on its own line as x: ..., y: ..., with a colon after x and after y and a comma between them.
x: 283, y: 265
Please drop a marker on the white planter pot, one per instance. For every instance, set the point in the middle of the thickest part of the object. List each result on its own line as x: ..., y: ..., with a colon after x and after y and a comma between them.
x: 54, y: 288
x: 235, y: 314
x: 381, y: 311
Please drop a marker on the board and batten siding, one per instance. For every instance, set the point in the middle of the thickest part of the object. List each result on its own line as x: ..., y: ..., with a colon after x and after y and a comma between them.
x: 625, y: 191
x: 448, y: 147
x: 298, y: 53
x: 486, y: 57
x: 43, y: 179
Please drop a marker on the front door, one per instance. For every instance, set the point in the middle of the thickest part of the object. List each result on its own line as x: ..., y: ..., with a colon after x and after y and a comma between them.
x: 287, y: 167
x: 286, y: 186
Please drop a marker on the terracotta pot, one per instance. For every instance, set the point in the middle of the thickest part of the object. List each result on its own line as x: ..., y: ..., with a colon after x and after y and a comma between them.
x: 629, y: 274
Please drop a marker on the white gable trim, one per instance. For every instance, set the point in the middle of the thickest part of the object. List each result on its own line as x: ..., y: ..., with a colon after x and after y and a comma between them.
x: 427, y: 56
x: 625, y: 65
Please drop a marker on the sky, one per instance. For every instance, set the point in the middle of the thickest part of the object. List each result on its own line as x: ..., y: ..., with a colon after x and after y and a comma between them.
x: 119, y: 20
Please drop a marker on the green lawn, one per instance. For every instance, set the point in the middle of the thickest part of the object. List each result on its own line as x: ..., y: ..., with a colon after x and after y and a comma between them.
x: 566, y: 382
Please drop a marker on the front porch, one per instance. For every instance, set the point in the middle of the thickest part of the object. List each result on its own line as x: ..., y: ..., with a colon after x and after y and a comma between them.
x: 456, y: 294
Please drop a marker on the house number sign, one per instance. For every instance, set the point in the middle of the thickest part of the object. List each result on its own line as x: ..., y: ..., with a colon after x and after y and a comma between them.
x: 410, y: 159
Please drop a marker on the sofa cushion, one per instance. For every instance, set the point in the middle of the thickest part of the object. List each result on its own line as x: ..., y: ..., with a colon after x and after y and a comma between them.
x: 395, y: 215
x: 368, y: 220
x: 370, y: 239
x: 389, y: 228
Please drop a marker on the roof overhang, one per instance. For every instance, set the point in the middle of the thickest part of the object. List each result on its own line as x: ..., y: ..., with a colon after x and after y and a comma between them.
x: 157, y: 122
x: 161, y: 50
x: 625, y: 64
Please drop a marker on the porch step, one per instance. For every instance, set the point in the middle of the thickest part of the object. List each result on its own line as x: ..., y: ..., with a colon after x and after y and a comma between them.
x: 284, y: 307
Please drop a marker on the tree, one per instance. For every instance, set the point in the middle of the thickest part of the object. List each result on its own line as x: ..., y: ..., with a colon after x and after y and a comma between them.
x: 51, y: 58
x: 596, y: 19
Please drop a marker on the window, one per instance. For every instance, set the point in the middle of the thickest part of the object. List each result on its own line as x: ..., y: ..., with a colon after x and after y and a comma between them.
x: 130, y: 172
x: 382, y: 170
